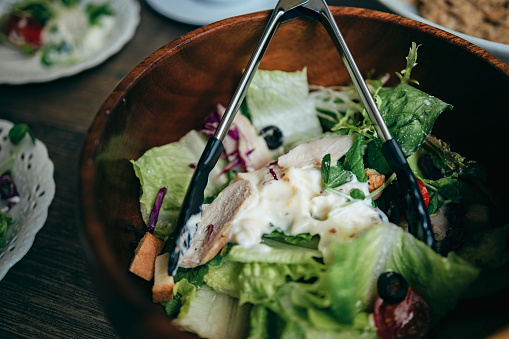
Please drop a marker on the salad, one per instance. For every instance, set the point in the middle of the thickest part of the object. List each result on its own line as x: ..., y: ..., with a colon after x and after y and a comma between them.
x: 9, y: 196
x: 57, y: 32
x: 302, y: 235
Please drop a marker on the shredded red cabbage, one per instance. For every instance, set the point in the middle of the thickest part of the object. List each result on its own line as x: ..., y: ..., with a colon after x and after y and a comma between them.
x: 210, y: 123
x: 8, y: 191
x: 231, y: 141
x: 154, y: 214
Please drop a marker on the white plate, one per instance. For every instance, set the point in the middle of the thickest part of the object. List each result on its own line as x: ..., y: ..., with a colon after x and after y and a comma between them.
x: 203, y: 12
x: 405, y: 9
x: 16, y: 68
x: 33, y: 177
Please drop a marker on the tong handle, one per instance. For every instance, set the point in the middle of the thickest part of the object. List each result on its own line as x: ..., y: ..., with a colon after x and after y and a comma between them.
x: 195, y: 193
x: 416, y: 214
x: 283, y: 7
x: 415, y: 210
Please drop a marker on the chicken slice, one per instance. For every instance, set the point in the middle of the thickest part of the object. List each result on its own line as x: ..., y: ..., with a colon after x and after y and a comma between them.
x: 214, y: 228
x: 311, y: 153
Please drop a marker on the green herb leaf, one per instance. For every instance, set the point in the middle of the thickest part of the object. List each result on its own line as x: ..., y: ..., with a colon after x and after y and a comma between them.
x: 443, y: 158
x: 357, y: 194
x: 411, y: 62
x: 434, y: 203
x: 334, y: 176
x: 95, y: 11
x: 409, y: 114
x: 39, y: 9
x: 172, y: 306
x: 193, y: 275
x: 5, y: 222
x: 18, y: 132
x: 354, y: 161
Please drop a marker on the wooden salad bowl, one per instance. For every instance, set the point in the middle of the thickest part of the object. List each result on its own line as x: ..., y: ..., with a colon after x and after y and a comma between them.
x: 173, y: 89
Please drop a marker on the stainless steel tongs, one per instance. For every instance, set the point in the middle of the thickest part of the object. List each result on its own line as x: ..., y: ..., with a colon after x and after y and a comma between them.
x: 417, y: 217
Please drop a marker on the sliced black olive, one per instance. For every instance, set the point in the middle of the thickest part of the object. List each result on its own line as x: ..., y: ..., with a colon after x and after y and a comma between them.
x: 392, y: 287
x: 273, y: 136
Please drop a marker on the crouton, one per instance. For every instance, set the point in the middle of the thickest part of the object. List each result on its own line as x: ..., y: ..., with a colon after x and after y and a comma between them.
x: 375, y: 179
x: 145, y: 255
x: 163, y: 282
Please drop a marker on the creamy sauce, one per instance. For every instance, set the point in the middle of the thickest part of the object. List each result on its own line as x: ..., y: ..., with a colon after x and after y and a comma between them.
x: 292, y: 200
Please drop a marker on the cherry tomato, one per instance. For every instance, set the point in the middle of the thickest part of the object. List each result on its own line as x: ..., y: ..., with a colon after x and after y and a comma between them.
x: 23, y: 30
x: 410, y: 319
x: 424, y: 192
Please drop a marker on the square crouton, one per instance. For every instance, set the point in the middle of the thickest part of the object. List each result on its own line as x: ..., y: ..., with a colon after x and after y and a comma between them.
x: 163, y: 283
x: 145, y: 255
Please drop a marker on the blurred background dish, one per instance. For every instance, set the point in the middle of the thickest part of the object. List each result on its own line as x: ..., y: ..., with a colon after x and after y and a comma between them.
x: 203, y: 12
x: 33, y: 177
x: 17, y: 68
x: 409, y: 10
x: 177, y: 86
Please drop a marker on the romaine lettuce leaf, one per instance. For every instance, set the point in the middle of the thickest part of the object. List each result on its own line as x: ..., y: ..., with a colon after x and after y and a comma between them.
x: 183, y: 293
x: 172, y: 166
x: 357, y: 264
x: 255, y: 275
x: 214, y: 315
x: 281, y: 99
x: 223, y: 278
x: 300, y: 311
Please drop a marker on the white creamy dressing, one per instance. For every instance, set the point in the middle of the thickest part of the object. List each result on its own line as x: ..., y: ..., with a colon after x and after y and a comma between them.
x: 292, y: 200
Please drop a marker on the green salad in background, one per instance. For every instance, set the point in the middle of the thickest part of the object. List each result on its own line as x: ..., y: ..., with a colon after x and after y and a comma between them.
x: 298, y: 288
x: 58, y: 32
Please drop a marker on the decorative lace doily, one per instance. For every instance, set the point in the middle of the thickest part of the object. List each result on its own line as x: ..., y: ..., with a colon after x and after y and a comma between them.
x: 33, y: 177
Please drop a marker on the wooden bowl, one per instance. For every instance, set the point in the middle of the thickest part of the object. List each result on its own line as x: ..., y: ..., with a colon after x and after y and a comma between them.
x: 173, y: 89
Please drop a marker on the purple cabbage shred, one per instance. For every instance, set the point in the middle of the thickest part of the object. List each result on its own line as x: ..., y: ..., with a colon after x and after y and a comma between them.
x: 154, y: 214
x: 8, y: 191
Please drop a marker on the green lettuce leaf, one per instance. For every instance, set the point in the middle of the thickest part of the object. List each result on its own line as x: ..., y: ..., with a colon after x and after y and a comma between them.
x: 300, y: 311
x: 263, y: 272
x: 334, y: 175
x: 223, y: 278
x: 183, y: 292
x: 171, y: 166
x: 303, y: 239
x: 214, y: 315
x: 357, y: 264
x: 353, y: 159
x: 277, y: 98
x: 409, y: 114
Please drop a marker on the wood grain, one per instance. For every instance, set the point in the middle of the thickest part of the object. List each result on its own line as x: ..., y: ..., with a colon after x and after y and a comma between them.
x: 173, y: 89
x: 49, y: 293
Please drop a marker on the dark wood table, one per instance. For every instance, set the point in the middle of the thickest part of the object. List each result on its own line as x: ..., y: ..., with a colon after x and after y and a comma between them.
x: 49, y: 293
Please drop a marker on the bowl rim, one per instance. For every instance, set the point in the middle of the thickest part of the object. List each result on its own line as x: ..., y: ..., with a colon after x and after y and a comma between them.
x: 98, y: 254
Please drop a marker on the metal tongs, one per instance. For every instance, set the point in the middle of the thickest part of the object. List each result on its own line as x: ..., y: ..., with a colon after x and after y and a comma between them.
x: 416, y: 215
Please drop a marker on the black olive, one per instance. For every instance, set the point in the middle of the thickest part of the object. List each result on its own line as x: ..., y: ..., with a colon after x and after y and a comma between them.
x: 273, y: 136
x: 392, y: 287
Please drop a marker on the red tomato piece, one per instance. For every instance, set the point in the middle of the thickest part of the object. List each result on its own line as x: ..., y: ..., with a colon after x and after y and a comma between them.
x: 424, y: 192
x: 411, y: 318
x: 23, y: 30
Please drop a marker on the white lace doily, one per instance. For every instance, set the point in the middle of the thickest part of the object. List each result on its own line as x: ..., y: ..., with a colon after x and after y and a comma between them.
x: 33, y: 177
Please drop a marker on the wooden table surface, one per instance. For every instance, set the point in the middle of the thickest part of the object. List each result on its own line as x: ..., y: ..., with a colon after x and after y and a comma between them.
x: 49, y: 294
